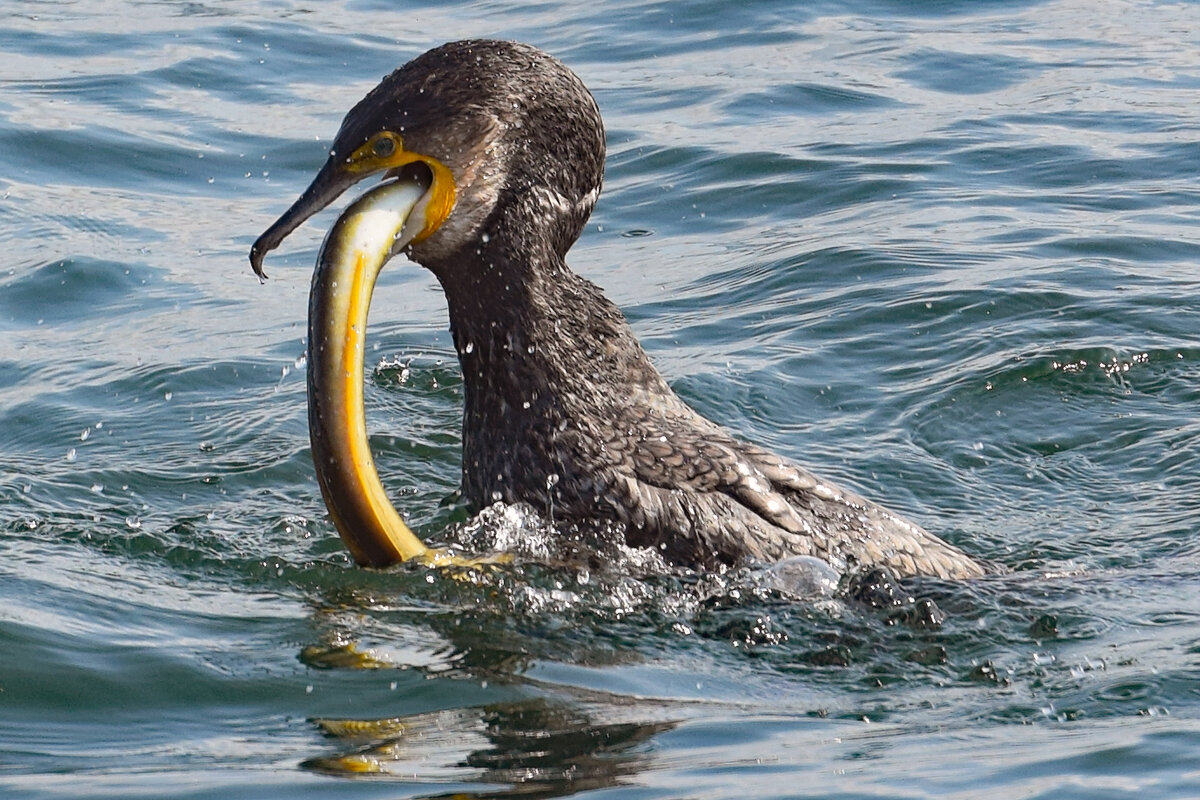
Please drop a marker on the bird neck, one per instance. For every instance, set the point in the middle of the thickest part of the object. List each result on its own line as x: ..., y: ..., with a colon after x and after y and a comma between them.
x: 514, y: 314
x: 543, y: 353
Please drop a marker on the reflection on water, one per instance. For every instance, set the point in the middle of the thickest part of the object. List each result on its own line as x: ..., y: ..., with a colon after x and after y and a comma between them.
x: 500, y: 629
x: 557, y: 742
x: 536, y: 748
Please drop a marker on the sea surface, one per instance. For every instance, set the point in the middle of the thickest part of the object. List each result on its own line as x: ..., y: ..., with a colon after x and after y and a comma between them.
x: 945, y: 253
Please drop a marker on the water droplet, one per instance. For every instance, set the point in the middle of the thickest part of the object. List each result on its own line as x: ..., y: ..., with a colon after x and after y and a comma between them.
x: 469, y: 347
x: 301, y: 361
x: 97, y: 488
x: 168, y: 395
x: 71, y: 454
x: 497, y: 497
x: 552, y: 480
x: 83, y: 437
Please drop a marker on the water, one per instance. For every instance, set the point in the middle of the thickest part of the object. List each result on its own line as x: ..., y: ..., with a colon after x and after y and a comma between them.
x: 944, y: 253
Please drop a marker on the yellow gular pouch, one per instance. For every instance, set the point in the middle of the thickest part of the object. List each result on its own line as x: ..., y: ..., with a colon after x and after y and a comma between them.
x: 380, y: 223
x: 385, y: 151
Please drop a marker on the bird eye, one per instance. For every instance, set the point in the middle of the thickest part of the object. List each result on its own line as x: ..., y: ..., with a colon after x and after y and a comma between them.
x: 384, y: 146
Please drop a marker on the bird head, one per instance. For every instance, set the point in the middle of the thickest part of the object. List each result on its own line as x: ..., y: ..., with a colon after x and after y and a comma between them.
x: 507, y: 135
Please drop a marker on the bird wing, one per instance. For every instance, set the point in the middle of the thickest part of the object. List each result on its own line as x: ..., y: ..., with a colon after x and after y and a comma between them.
x: 696, y: 492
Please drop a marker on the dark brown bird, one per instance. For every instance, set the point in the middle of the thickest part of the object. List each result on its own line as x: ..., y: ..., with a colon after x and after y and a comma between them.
x: 563, y: 408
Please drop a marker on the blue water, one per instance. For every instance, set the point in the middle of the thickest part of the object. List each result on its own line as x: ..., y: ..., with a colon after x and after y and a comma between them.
x: 945, y: 253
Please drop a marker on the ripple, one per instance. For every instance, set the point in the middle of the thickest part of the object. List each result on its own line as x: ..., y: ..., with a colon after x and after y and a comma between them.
x: 966, y: 73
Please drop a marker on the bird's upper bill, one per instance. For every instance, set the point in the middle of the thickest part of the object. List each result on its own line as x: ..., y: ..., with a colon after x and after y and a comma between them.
x: 383, y: 152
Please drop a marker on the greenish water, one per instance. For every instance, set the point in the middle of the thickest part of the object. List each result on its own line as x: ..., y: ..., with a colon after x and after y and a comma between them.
x: 945, y: 253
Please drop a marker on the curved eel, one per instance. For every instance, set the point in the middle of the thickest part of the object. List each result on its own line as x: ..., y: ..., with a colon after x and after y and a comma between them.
x: 362, y: 240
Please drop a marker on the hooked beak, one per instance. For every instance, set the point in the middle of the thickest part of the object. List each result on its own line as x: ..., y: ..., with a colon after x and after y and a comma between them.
x: 382, y: 153
x: 329, y: 184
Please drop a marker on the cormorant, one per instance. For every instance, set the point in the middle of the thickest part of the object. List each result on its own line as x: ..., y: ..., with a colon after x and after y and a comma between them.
x: 563, y: 410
